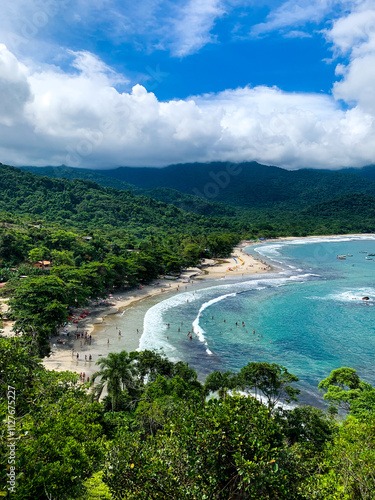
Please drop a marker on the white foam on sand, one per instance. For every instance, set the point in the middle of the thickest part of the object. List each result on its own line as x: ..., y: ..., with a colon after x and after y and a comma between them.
x: 154, y: 328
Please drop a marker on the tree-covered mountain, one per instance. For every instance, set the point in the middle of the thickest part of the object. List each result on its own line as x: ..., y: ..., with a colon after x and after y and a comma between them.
x: 64, y: 172
x: 87, y: 205
x: 289, y: 203
x: 367, y: 172
x: 248, y: 185
x: 190, y: 203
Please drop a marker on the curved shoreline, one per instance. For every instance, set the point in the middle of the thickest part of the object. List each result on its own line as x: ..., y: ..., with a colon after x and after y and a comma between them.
x: 101, y: 323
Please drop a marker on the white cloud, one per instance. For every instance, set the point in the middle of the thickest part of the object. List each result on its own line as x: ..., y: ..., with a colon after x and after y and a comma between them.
x: 79, y: 118
x: 14, y: 88
x: 92, y: 67
x: 192, y: 28
x: 25, y: 24
x: 354, y: 36
x: 297, y: 34
x: 298, y: 13
x: 355, y: 31
x: 35, y: 28
x: 182, y: 27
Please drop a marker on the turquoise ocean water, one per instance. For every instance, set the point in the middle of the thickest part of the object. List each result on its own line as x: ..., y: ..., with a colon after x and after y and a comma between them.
x: 309, y: 316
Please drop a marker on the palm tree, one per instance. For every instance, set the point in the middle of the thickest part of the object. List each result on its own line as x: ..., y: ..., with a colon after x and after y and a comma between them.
x: 116, y: 373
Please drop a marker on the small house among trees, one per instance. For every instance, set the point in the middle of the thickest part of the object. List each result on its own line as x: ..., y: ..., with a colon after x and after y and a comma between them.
x: 43, y: 264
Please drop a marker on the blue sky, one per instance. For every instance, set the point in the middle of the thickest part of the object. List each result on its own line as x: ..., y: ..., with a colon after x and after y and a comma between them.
x: 103, y: 83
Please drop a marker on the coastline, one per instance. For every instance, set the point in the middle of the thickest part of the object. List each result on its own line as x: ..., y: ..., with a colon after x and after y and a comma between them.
x: 100, y: 323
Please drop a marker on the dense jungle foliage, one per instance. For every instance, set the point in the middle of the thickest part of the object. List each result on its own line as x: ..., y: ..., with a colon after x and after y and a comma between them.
x: 160, y: 433
x: 247, y: 184
x: 265, y: 201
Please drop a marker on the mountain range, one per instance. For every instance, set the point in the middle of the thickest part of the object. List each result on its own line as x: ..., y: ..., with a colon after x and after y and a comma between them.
x: 248, y: 185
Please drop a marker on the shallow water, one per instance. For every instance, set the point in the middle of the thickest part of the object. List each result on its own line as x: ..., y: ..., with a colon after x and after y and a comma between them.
x: 309, y: 317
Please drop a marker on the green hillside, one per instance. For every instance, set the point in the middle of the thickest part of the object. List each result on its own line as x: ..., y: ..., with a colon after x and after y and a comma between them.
x: 367, y: 172
x: 87, y: 205
x: 282, y: 202
x: 190, y: 203
x: 247, y: 185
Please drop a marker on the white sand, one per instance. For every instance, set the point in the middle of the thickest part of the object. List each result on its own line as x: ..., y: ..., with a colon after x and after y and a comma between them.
x: 101, y: 321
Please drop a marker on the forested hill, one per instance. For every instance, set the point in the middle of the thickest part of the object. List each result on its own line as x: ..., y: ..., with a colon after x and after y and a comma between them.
x: 367, y: 172
x: 190, y: 203
x: 87, y: 205
x: 249, y: 185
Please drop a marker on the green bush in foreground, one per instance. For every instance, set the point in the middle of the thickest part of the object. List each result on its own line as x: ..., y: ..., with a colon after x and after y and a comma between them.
x: 155, y: 435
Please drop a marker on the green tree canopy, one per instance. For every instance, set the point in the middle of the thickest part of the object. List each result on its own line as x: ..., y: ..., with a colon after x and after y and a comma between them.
x: 344, y: 388
x: 40, y: 306
x: 116, y: 374
x: 269, y: 381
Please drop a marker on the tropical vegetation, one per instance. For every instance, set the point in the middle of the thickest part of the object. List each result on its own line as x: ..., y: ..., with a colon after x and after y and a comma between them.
x: 158, y: 432
x: 145, y: 427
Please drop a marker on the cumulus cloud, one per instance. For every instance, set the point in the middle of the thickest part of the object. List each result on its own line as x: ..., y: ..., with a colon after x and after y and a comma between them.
x: 79, y: 118
x: 354, y: 36
x: 354, y: 32
x: 14, y: 88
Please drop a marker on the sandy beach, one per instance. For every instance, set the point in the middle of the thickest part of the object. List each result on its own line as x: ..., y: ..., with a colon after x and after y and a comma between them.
x: 103, y: 315
x: 98, y: 331
x: 100, y: 323
x: 237, y: 264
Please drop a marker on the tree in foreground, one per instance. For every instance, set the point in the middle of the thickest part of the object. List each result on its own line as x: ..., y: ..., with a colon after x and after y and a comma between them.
x: 226, y: 449
x: 271, y: 382
x: 219, y: 382
x: 347, y: 470
x: 116, y: 374
x: 346, y: 391
x: 40, y: 306
x: 58, y: 431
